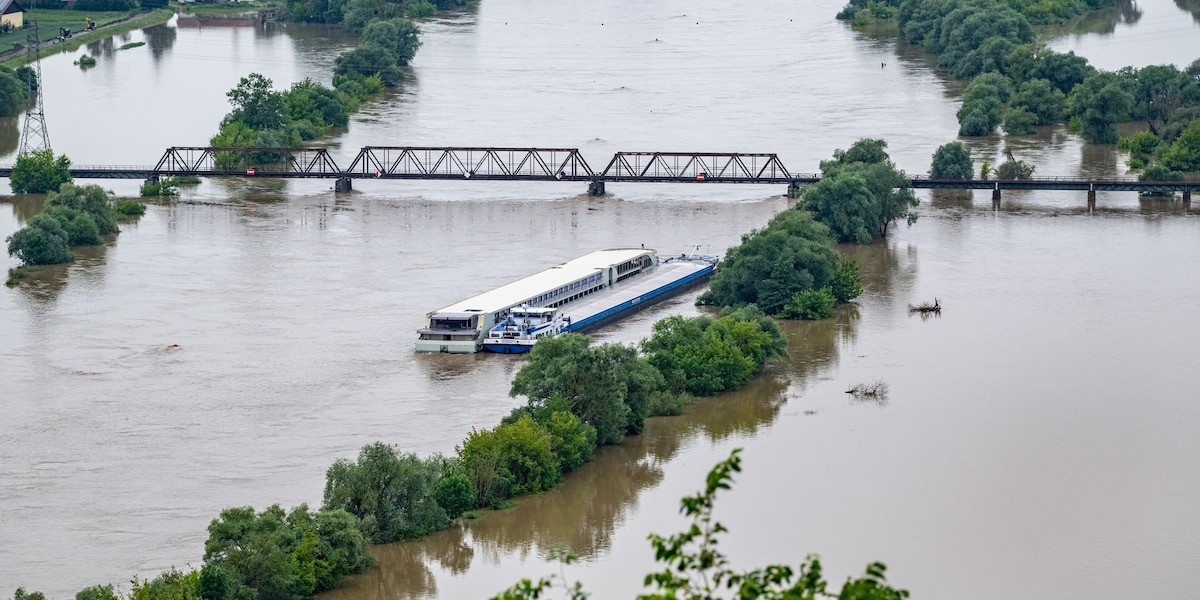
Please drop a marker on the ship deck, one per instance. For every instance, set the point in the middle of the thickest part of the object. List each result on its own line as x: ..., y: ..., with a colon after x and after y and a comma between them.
x: 587, y: 313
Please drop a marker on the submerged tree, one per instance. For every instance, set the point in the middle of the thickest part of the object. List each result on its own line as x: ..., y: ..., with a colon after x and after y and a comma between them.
x: 952, y: 161
x: 861, y: 193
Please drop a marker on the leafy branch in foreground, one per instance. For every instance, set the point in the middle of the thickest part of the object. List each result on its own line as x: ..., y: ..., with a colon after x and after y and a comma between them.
x: 697, y: 570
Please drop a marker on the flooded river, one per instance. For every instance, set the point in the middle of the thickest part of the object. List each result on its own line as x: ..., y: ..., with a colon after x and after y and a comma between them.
x: 1039, y: 439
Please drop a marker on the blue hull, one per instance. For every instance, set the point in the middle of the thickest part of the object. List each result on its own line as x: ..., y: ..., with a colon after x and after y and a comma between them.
x: 507, y: 348
x: 643, y: 301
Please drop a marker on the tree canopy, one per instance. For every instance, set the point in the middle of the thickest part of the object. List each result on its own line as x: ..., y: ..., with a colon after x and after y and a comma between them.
x: 952, y: 161
x: 860, y: 194
x: 39, y: 172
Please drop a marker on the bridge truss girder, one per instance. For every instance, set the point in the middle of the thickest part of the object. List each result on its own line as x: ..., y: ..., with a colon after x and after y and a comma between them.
x: 696, y: 166
x: 417, y: 162
x: 297, y: 162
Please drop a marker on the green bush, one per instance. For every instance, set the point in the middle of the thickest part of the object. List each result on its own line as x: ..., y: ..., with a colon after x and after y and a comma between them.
x: 80, y: 227
x: 454, y: 493
x: 391, y: 493
x: 39, y: 172
x: 90, y: 199
x: 1018, y: 121
x: 1014, y: 169
x: 704, y: 356
x: 42, y: 242
x: 162, y: 187
x: 846, y: 284
x: 278, y: 555
x: 1184, y: 154
x: 810, y: 305
x: 129, y: 208
x: 952, y: 161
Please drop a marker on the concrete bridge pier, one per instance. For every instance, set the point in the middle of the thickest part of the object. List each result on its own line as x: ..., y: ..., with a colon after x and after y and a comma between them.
x: 1187, y: 198
x: 996, y: 197
x: 1092, y: 199
x: 152, y: 180
x: 342, y: 184
x: 595, y: 188
x: 793, y: 190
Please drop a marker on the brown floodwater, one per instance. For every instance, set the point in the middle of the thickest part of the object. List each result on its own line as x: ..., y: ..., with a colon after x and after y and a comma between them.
x: 1039, y: 438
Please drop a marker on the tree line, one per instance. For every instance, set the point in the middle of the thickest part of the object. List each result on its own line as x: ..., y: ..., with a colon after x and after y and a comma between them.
x: 1017, y: 83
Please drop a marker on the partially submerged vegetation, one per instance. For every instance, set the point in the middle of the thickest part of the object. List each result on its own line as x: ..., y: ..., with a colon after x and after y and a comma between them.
x: 579, y: 396
x: 695, y: 568
x: 74, y: 216
x: 1018, y: 84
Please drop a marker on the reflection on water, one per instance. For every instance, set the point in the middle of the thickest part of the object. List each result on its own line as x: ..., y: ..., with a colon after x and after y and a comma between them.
x: 1100, y: 22
x: 582, y: 514
x: 1192, y: 6
x: 26, y: 206
x: 10, y: 134
x: 160, y: 39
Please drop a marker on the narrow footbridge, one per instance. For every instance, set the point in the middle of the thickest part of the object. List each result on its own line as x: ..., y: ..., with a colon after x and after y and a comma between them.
x: 546, y: 164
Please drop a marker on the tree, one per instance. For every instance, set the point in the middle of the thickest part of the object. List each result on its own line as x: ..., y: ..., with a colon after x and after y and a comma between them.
x: 454, y: 493
x: 39, y: 172
x: 13, y: 92
x: 1184, y: 154
x: 255, y: 103
x: 980, y: 111
x: 42, y: 242
x: 1014, y: 169
x: 401, y: 37
x: 695, y: 569
x: 274, y: 555
x: 952, y: 161
x: 609, y: 387
x: 1042, y: 99
x: 1063, y: 71
x: 842, y: 206
x: 1099, y: 102
x: 1158, y: 91
x: 97, y: 592
x: 367, y: 60
x: 1018, y: 121
x: 391, y: 493
x: 90, y: 199
x: 792, y: 253
x: 705, y: 356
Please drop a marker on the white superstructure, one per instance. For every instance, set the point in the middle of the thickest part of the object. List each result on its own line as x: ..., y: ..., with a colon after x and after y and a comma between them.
x: 461, y: 327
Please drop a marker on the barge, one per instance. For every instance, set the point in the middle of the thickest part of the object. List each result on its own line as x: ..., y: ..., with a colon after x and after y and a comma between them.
x: 589, y: 291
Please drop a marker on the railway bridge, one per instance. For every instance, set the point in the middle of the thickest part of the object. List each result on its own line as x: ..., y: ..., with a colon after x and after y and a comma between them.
x: 550, y: 165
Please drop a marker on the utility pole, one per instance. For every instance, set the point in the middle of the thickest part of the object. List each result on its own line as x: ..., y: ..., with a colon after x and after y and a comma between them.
x: 34, y: 136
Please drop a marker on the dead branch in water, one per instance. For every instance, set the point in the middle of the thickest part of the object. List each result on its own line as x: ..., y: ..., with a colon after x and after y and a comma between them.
x: 925, y: 308
x: 869, y: 391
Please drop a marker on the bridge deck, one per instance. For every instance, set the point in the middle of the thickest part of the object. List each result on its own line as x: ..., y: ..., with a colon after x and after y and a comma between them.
x: 541, y: 164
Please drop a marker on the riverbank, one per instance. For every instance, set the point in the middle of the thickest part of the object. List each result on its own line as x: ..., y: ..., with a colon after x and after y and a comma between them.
x: 17, y: 57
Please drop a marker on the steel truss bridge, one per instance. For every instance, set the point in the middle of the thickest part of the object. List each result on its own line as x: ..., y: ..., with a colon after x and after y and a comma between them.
x: 546, y: 164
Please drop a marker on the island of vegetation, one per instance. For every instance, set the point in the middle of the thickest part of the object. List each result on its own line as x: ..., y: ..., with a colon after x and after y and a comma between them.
x: 578, y: 396
x: 1018, y: 84
x: 263, y: 117
x: 74, y: 215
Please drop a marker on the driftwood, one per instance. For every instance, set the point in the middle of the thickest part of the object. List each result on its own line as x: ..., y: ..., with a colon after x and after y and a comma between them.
x: 925, y: 308
x: 869, y: 391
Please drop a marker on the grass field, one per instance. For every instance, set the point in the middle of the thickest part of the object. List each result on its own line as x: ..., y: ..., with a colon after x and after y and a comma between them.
x: 50, y: 20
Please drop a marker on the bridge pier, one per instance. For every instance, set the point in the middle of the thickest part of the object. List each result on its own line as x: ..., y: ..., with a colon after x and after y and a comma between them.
x: 1091, y: 199
x: 152, y: 180
x: 1187, y: 198
x: 793, y: 189
x: 996, y: 197
x: 342, y: 184
x: 595, y: 188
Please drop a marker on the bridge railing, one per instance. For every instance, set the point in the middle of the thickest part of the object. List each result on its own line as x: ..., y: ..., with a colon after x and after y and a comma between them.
x: 421, y: 162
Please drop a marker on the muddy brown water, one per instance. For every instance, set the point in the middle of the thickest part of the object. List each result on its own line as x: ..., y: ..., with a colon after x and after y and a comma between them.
x: 1039, y: 438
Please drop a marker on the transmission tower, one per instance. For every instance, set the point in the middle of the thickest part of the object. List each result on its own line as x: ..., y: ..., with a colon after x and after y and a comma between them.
x: 34, y: 136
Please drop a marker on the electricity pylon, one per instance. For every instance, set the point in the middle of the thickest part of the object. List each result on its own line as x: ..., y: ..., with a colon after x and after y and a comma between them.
x: 34, y: 136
